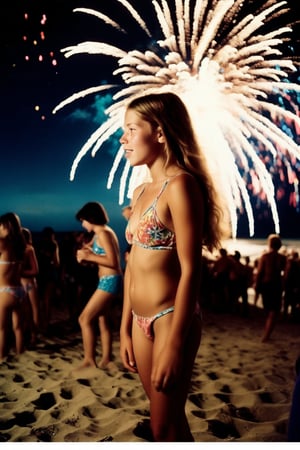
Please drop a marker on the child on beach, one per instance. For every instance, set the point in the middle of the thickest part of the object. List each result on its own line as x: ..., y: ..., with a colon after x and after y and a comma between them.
x: 12, y: 250
x: 172, y: 218
x: 104, y: 251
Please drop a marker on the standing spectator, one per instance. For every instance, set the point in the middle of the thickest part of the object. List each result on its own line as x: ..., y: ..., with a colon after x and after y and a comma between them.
x: 103, y: 250
x: 29, y: 281
x: 236, y: 281
x: 256, y: 285
x: 247, y: 283
x: 206, y: 287
x: 221, y: 269
x: 173, y: 217
x: 68, y: 270
x: 270, y: 273
x: 12, y: 293
x: 49, y: 274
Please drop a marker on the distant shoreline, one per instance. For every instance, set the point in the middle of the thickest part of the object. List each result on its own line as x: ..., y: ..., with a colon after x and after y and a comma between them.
x: 247, y: 247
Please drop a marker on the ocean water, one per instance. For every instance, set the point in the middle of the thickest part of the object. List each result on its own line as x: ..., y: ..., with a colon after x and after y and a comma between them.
x: 255, y: 247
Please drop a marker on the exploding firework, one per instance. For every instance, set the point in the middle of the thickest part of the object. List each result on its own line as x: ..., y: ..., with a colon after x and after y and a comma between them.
x: 227, y: 64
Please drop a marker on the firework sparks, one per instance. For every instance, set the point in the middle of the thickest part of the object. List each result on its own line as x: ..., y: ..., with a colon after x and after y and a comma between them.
x: 227, y: 68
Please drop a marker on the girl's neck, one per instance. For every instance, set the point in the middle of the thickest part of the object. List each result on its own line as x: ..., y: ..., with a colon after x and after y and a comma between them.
x: 164, y: 177
x: 161, y: 174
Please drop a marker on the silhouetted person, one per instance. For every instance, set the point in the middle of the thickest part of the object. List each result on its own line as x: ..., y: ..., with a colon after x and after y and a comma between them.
x: 236, y: 281
x: 29, y: 281
x: 47, y: 252
x: 220, y: 276
x: 69, y: 283
x: 247, y: 282
x: 270, y: 272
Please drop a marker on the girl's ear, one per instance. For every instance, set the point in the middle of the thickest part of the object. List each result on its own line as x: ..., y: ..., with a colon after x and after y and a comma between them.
x: 160, y: 136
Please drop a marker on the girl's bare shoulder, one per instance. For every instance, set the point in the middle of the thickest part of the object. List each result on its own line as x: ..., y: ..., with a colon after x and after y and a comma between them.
x: 185, y: 183
x: 106, y: 233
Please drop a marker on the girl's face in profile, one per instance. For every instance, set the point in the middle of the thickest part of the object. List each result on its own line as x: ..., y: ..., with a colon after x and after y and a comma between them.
x: 139, y: 140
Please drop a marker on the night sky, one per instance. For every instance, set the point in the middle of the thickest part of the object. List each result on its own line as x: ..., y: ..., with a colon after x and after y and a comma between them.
x: 38, y: 147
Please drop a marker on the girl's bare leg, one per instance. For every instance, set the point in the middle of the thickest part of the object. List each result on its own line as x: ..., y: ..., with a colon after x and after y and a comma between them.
x: 106, y: 341
x: 8, y: 305
x: 269, y: 326
x: 167, y: 410
x: 18, y: 330
x: 87, y: 321
x: 33, y: 297
x: 4, y: 317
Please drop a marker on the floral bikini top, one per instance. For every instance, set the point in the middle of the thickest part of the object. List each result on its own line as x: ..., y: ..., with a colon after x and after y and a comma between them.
x: 151, y: 233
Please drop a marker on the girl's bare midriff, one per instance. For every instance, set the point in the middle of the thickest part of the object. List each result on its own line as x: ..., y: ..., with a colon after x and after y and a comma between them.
x: 9, y: 273
x: 154, y: 276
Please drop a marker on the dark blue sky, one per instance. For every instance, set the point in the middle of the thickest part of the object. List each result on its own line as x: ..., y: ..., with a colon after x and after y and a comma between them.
x: 37, y: 147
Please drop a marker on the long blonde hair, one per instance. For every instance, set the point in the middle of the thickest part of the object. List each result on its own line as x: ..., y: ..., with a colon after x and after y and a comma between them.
x: 167, y: 111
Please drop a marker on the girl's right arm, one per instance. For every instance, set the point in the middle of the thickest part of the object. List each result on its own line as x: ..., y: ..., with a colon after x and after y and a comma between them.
x: 126, y: 349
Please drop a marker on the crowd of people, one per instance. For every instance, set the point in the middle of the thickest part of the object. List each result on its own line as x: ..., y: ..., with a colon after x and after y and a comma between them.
x: 53, y: 278
x: 272, y: 280
x: 64, y: 274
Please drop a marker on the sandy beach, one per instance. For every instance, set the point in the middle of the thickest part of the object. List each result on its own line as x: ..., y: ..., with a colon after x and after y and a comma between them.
x: 241, y: 389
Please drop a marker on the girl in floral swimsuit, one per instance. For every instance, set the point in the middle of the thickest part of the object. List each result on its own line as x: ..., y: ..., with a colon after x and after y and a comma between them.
x: 172, y: 218
x: 12, y: 250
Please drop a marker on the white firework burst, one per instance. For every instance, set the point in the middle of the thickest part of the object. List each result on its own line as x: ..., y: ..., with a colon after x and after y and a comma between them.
x: 227, y: 69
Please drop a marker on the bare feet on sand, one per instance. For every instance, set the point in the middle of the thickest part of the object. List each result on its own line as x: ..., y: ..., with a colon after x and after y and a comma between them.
x: 104, y: 364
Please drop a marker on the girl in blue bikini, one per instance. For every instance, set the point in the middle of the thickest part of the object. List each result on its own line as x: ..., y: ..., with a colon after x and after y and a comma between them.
x: 104, y: 251
x: 172, y: 218
x: 12, y: 293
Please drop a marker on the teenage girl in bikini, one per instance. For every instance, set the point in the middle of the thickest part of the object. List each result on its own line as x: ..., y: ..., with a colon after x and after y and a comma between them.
x: 12, y: 293
x: 104, y: 251
x: 172, y: 218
